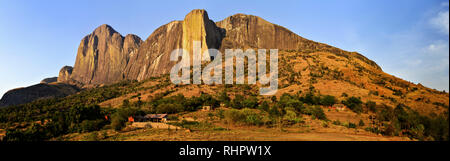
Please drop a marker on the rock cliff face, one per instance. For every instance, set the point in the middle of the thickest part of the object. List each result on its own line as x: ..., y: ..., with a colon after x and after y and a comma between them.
x: 198, y: 27
x: 35, y: 92
x: 103, y: 55
x: 247, y: 31
x: 153, y: 55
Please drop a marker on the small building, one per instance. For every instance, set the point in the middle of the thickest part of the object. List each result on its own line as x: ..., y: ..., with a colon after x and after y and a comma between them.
x: 149, y: 118
x: 206, y: 108
x: 156, y: 117
x: 339, y: 107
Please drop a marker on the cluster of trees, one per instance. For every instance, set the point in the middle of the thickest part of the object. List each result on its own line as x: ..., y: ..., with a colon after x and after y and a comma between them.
x: 285, y: 111
x: 74, y: 119
x: 50, y: 118
x: 403, y: 120
x: 179, y: 103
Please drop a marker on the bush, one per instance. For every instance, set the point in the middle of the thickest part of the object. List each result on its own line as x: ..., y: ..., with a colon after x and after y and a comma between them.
x: 91, y: 125
x: 246, y: 116
x: 354, y: 104
x: 172, y: 117
x: 371, y: 106
x: 336, y: 122
x: 118, y: 121
x: 223, y: 98
x: 291, y: 117
x: 251, y: 102
x: 169, y: 108
x: 237, y: 102
x: 233, y: 115
x: 264, y: 106
x: 350, y: 125
x: 315, y: 111
x: 361, y: 123
x: 328, y: 100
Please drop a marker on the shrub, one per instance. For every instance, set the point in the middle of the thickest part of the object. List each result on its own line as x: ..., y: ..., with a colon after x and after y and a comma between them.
x: 361, y: 123
x: 336, y: 122
x: 237, y: 102
x: 351, y: 125
x: 371, y: 106
x: 354, y: 104
x: 264, y: 106
x: 291, y: 117
x: 246, y: 116
x: 169, y: 108
x: 172, y: 117
x: 315, y: 111
x: 125, y: 103
x: 251, y: 102
x: 233, y: 115
x: 91, y: 125
x: 328, y: 100
x: 118, y: 121
x: 223, y: 98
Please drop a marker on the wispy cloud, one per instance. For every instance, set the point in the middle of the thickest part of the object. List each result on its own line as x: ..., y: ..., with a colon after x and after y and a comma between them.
x: 440, y: 20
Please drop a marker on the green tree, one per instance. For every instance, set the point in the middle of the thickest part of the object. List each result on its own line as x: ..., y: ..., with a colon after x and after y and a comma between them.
x: 328, y: 100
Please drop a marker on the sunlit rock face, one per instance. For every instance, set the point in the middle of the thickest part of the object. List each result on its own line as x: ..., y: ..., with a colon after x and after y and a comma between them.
x: 198, y: 27
x: 153, y: 56
x: 103, y: 55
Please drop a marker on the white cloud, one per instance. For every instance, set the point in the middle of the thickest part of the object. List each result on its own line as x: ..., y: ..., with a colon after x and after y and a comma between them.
x: 438, y: 48
x: 441, y: 22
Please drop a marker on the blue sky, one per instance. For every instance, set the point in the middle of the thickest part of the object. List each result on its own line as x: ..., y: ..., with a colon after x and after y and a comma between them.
x: 407, y: 38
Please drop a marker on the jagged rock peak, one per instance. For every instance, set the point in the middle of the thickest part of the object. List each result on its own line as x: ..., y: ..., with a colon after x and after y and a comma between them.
x: 65, y: 73
x: 105, y: 28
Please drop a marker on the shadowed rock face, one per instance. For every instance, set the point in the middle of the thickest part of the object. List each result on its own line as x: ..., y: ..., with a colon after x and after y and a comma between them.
x: 50, y: 80
x: 38, y: 91
x: 153, y: 56
x: 65, y: 73
x: 247, y: 31
x: 103, y: 55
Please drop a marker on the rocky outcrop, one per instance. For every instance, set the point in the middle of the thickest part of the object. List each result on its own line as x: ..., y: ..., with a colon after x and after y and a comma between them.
x: 65, y: 73
x: 153, y: 58
x: 50, y: 80
x: 103, y: 55
x: 198, y: 27
x: 35, y: 92
x: 106, y: 57
x: 153, y: 55
x: 247, y: 31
